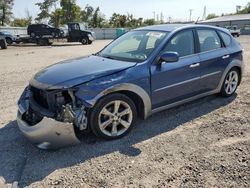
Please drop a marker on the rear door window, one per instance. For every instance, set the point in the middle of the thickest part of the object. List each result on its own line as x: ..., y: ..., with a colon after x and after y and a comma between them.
x: 208, y: 39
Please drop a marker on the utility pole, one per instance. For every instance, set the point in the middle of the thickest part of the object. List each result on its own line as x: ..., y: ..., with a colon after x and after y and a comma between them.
x: 204, y: 13
x: 190, y: 14
x: 162, y: 17
x: 238, y: 8
x: 169, y: 19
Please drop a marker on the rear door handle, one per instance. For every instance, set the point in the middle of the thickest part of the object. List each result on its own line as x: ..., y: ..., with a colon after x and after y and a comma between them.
x: 194, y: 65
x: 225, y: 56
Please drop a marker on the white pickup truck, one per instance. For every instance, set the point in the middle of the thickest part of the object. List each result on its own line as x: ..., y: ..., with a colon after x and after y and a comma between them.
x: 234, y: 30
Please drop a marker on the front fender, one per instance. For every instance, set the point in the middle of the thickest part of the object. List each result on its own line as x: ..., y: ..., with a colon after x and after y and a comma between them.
x: 91, y: 92
x: 90, y: 102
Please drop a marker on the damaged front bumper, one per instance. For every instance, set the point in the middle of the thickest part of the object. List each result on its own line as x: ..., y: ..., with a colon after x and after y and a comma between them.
x: 48, y: 133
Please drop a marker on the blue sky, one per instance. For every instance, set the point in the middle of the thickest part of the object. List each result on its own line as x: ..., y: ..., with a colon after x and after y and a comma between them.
x: 177, y: 9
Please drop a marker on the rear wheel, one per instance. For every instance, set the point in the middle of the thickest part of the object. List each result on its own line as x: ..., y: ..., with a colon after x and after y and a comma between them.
x: 113, y: 116
x: 231, y: 83
x: 42, y: 42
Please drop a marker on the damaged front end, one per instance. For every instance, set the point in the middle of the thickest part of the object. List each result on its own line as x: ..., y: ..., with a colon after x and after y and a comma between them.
x: 51, y: 118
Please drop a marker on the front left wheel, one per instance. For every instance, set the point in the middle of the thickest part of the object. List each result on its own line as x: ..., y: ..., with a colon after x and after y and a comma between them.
x: 84, y: 40
x: 113, y: 116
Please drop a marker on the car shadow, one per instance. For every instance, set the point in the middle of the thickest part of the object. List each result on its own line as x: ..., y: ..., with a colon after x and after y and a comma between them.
x: 22, y: 162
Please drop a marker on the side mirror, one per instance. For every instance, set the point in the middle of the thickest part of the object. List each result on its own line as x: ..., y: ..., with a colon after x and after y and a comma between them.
x: 169, y: 57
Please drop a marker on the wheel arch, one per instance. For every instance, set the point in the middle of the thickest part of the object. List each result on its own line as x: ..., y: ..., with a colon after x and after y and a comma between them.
x: 234, y: 64
x: 138, y: 95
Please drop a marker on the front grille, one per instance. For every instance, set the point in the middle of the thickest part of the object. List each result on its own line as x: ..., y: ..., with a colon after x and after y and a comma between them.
x: 40, y: 96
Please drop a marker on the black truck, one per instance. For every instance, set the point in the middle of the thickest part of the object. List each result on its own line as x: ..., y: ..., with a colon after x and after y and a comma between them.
x: 43, y: 36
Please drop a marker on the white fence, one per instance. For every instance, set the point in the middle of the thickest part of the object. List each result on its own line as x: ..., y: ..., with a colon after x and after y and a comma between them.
x: 100, y: 33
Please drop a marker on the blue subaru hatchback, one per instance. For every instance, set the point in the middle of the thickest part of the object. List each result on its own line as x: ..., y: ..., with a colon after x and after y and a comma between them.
x: 142, y: 72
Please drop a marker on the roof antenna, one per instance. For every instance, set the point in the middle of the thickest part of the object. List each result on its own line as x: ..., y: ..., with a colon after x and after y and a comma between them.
x: 197, y: 20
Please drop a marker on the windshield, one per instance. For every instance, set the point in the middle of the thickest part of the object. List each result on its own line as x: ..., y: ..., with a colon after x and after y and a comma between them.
x: 82, y: 26
x: 134, y: 46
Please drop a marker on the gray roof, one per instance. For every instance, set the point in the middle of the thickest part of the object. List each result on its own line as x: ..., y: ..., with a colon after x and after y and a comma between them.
x: 162, y: 27
x: 172, y: 27
x: 228, y: 18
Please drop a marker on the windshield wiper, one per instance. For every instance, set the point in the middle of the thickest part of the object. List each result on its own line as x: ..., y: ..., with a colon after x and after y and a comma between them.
x: 105, y: 56
x: 108, y: 57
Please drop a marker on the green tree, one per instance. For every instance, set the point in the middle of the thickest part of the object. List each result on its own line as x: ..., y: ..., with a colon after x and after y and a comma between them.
x: 45, y: 8
x: 133, y: 22
x: 22, y: 22
x: 118, y: 20
x: 71, y: 11
x: 245, y: 10
x: 97, y: 18
x: 149, y: 22
x: 56, y: 17
x: 211, y: 16
x: 87, y: 13
x: 5, y: 11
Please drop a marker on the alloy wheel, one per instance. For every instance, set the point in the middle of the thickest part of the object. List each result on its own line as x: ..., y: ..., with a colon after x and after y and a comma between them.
x: 231, y: 82
x: 115, y: 118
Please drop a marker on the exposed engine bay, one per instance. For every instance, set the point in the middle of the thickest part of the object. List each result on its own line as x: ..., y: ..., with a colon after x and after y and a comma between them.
x: 37, y: 106
x: 58, y: 104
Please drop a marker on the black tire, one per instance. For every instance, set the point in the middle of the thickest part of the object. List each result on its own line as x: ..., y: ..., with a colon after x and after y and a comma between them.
x: 3, y: 44
x: 90, y: 42
x: 42, y: 42
x: 84, y: 40
x: 9, y: 40
x: 94, y: 116
x: 224, y: 92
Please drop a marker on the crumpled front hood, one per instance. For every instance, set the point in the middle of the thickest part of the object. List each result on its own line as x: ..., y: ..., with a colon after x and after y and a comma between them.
x: 77, y: 71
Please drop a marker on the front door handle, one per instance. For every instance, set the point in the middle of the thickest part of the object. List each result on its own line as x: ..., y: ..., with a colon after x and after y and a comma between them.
x: 225, y: 56
x: 194, y: 65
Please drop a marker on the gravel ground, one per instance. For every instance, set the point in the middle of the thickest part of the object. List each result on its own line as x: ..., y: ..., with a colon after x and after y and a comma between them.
x: 205, y: 143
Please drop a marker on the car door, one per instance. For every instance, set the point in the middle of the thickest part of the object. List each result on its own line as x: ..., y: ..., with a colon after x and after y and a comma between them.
x: 45, y: 30
x: 214, y: 58
x: 74, y: 32
x: 172, y: 82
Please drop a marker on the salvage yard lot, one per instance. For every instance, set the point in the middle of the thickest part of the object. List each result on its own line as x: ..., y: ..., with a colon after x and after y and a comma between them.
x: 205, y: 143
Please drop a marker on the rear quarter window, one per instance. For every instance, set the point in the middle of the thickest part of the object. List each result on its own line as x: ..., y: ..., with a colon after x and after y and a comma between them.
x: 226, y: 38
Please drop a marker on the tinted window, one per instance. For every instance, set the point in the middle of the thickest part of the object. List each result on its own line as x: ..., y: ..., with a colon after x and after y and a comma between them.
x: 182, y: 43
x: 209, y: 40
x: 226, y: 38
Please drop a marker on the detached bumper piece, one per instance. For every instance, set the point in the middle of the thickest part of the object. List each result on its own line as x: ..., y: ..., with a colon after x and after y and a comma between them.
x: 49, y: 134
x: 44, y: 132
